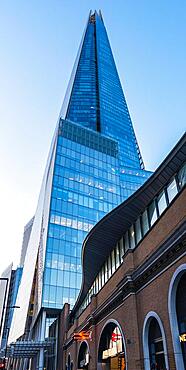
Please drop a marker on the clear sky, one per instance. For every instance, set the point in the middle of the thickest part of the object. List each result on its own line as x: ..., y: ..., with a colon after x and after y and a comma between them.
x: 38, y: 45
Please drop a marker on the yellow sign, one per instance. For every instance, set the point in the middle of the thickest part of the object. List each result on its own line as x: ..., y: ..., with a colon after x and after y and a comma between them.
x: 183, y: 337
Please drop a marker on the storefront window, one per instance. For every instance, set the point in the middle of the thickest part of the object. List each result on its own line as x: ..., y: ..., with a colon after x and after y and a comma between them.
x: 111, y: 349
x: 156, y: 350
x: 181, y: 314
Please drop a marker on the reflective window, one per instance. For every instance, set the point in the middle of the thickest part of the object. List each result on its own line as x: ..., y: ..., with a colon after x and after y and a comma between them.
x: 117, y: 256
x: 145, y: 222
x: 126, y: 241
x: 103, y: 276
x: 138, y: 230
x: 132, y: 237
x: 182, y: 177
x: 106, y: 271
x: 156, y: 350
x: 152, y: 213
x: 121, y: 247
x: 109, y: 267
x: 162, y: 202
x: 113, y: 261
x: 172, y: 190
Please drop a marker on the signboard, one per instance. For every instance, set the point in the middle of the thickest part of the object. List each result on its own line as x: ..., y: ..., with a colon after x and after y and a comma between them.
x: 182, y: 337
x: 82, y: 335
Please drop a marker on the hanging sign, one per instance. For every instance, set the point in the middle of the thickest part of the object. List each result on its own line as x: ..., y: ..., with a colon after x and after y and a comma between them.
x: 82, y: 335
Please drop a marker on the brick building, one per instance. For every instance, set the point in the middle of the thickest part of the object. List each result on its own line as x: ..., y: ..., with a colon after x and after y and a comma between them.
x: 130, y: 313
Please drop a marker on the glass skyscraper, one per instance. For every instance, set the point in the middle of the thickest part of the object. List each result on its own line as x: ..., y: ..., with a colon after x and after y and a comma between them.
x: 94, y: 164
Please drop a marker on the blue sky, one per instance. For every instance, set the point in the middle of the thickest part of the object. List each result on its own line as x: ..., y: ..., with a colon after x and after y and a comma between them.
x: 39, y: 42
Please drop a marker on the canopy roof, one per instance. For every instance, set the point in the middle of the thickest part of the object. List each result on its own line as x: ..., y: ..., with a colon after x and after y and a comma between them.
x: 108, y: 231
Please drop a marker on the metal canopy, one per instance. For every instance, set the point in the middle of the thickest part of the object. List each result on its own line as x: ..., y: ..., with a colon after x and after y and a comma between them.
x: 108, y: 231
x: 26, y: 349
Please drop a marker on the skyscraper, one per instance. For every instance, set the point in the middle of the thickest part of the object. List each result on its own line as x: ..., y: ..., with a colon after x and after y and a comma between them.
x: 94, y: 163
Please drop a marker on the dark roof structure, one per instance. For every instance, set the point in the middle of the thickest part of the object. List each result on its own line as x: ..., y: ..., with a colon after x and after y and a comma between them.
x: 108, y: 231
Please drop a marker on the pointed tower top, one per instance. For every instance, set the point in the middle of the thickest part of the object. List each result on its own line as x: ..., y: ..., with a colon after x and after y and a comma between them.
x: 95, y: 97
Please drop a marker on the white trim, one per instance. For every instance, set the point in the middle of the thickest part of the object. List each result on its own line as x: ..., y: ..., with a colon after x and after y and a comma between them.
x: 173, y: 316
x: 146, y: 325
x: 124, y: 343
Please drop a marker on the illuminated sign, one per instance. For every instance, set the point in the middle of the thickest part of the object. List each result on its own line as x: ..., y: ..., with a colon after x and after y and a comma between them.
x: 116, y: 337
x: 182, y: 337
x: 82, y: 335
x: 109, y: 353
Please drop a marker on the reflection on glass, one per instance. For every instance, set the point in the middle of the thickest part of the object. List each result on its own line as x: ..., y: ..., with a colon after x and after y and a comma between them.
x: 172, y: 190
x: 132, y: 237
x: 145, y: 222
x: 162, y: 203
x: 138, y: 230
x: 126, y: 241
x: 182, y: 177
x: 152, y: 213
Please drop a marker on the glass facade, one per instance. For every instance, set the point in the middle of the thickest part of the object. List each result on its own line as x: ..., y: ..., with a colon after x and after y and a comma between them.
x: 93, y: 165
x: 85, y: 187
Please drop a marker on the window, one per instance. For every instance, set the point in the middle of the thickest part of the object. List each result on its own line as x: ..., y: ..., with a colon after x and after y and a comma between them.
x: 121, y: 248
x: 182, y: 176
x: 126, y: 241
x: 117, y: 256
x: 106, y: 271
x: 138, y: 230
x: 145, y: 222
x: 162, y: 203
x: 132, y: 237
x: 103, y: 276
x: 113, y: 261
x: 172, y: 190
x: 152, y: 213
x: 109, y: 267
x: 97, y: 285
x: 156, y: 349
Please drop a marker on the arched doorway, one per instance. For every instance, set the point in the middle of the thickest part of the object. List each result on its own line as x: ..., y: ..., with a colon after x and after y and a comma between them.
x: 111, y: 355
x: 83, y: 356
x: 181, y: 314
x: 177, y: 315
x: 154, y: 343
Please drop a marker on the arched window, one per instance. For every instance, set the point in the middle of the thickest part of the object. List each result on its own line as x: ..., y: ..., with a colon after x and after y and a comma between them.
x: 181, y: 314
x: 177, y: 315
x: 111, y: 348
x: 156, y: 350
x: 154, y: 343
x: 83, y: 356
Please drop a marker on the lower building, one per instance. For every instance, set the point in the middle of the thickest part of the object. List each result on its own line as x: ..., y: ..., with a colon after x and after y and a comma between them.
x: 8, y: 294
x: 130, y: 313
